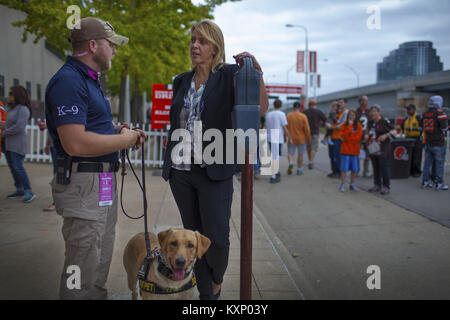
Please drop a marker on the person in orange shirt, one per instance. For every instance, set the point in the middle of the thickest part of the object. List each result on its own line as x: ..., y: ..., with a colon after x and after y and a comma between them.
x: 298, y: 127
x: 2, y: 121
x: 351, y: 134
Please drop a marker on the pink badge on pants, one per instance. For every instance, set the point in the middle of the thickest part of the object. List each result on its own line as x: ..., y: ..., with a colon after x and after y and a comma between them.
x: 106, y: 190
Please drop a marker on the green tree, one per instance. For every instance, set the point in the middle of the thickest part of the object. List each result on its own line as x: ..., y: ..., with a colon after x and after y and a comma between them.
x: 158, y: 31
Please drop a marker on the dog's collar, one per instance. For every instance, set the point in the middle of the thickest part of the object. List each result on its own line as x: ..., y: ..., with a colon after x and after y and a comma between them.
x: 163, y: 266
x: 152, y: 287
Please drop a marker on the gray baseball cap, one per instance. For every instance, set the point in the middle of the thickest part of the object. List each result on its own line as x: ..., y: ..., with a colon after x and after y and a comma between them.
x: 93, y: 29
x: 435, y: 102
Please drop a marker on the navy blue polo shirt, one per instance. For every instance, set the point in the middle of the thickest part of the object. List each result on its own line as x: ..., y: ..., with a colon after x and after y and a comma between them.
x: 74, y: 96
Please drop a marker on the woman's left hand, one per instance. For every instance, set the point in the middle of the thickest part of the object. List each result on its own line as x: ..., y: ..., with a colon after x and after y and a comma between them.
x: 383, y: 137
x: 242, y: 55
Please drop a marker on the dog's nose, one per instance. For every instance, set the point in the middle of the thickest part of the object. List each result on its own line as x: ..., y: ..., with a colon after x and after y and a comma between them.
x: 180, y: 262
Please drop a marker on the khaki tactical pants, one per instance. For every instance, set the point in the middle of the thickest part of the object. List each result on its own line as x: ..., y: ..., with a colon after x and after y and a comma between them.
x: 89, y: 232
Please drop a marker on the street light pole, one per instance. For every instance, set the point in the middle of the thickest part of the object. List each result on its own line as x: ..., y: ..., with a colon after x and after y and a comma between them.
x: 306, y: 60
x: 356, y: 73
x: 287, y: 73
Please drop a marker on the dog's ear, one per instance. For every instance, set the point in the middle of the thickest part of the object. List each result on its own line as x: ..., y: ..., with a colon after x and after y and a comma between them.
x: 202, y: 244
x: 162, y: 238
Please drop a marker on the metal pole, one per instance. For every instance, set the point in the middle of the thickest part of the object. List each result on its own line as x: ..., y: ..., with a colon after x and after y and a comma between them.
x: 307, y: 67
x: 356, y: 74
x: 127, y: 101
x: 287, y: 73
x: 246, y: 229
x: 306, y: 60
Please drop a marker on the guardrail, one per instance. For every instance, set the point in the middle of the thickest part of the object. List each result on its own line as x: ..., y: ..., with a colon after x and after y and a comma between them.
x: 154, y: 147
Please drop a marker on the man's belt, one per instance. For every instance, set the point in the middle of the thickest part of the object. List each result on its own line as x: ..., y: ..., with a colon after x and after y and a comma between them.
x: 96, y: 166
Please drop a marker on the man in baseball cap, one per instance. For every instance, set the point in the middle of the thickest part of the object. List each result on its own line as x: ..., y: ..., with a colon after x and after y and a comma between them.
x: 94, y: 43
x: 79, y: 121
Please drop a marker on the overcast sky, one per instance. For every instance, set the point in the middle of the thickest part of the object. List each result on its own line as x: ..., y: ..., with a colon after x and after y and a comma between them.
x: 337, y: 30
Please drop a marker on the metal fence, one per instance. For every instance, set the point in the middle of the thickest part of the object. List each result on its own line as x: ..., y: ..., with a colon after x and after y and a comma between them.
x: 154, y: 146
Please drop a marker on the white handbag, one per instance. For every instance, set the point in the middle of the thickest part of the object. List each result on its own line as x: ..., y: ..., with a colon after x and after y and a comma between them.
x: 374, y: 148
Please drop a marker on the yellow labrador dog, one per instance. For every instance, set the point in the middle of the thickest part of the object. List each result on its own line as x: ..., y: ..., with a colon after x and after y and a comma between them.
x: 172, y: 270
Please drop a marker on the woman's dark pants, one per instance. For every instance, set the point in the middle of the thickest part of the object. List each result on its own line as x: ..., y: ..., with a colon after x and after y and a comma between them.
x: 205, y: 206
x: 381, y: 170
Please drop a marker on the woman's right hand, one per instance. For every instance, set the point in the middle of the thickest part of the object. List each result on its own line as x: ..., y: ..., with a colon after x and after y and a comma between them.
x: 2, y: 125
x: 240, y: 56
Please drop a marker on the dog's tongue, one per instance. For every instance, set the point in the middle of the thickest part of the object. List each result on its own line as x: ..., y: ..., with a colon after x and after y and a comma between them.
x: 178, y: 274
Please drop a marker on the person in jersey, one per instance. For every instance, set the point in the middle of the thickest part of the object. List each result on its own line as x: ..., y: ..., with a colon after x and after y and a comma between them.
x: 316, y: 118
x: 351, y: 133
x: 435, y: 127
x: 378, y: 134
x: 363, y: 118
x: 334, y: 150
x: 412, y: 129
x: 79, y: 120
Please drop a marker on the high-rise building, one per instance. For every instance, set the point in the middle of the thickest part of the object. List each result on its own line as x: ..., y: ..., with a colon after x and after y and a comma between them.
x: 410, y: 59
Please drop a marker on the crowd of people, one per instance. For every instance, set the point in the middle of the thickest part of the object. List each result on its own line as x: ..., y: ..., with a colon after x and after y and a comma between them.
x: 361, y: 135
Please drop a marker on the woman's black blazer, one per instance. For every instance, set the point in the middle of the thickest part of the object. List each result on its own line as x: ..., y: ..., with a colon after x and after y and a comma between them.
x: 218, y: 99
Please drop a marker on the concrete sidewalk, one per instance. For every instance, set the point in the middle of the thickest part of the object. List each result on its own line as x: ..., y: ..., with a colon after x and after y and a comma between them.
x: 336, y: 236
x: 32, y: 247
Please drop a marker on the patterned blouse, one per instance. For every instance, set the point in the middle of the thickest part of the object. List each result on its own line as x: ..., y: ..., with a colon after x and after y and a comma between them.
x: 190, y: 113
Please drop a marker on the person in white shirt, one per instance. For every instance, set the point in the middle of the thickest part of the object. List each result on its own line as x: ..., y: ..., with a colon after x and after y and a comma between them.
x: 276, y: 125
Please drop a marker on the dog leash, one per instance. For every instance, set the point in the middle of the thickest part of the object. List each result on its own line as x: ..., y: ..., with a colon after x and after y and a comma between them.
x: 125, y: 153
x: 144, y: 284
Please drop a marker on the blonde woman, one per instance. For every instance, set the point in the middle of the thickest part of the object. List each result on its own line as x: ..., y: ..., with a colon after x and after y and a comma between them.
x: 203, y: 192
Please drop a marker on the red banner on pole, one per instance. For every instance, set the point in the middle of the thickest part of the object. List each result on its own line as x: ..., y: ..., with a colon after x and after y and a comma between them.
x: 161, y: 101
x: 300, y: 61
